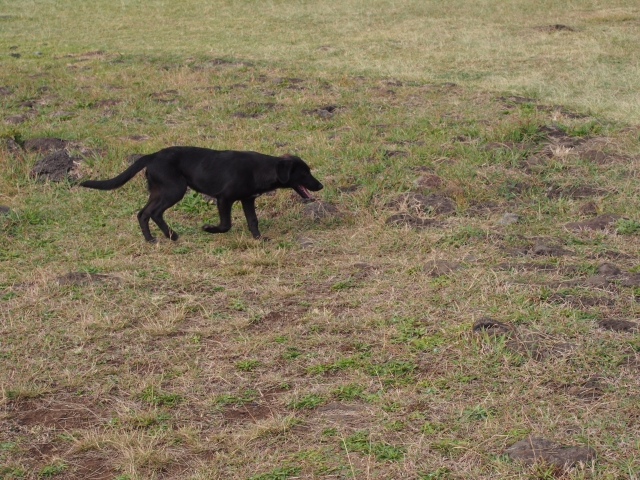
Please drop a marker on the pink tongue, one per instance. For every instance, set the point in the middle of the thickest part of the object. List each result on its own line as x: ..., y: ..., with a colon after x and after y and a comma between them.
x: 305, y: 191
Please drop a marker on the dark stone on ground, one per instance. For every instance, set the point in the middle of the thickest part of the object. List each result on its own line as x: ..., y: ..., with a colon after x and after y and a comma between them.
x: 608, y: 270
x: 15, y: 119
x: 319, y: 209
x: 45, y: 144
x: 618, y: 325
x: 436, y: 268
x: 437, y: 204
x: 601, y: 222
x: 4, y: 210
x: 348, y: 188
x: 407, y: 219
x: 82, y: 278
x: 133, y: 157
x: 492, y: 327
x: 54, y: 167
x: 535, y: 449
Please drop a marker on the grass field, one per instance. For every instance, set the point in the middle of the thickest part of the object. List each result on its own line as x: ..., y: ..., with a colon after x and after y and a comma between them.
x: 343, y: 347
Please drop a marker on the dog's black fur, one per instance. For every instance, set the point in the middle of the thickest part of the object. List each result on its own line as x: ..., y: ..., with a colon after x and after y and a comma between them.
x: 226, y: 175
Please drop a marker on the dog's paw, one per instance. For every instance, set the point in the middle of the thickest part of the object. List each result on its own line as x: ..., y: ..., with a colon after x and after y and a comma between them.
x: 173, y: 236
x: 207, y: 227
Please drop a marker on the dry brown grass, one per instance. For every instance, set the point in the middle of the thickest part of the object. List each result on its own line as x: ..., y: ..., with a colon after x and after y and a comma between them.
x: 340, y: 356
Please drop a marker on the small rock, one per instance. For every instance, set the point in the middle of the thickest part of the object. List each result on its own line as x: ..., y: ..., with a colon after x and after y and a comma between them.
x: 407, y: 219
x: 508, y: 219
x: 319, y: 209
x: 535, y: 449
x: 608, y: 270
x: 4, y: 210
x: 437, y: 268
x: 54, y: 167
x: 601, y: 222
x: 15, y: 119
x: 618, y: 325
x: 15, y: 55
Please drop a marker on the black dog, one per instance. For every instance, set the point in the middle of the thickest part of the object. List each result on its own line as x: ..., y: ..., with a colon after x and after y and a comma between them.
x: 225, y: 175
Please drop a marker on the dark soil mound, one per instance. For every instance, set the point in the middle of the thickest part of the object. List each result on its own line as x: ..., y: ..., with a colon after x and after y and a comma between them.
x: 45, y: 144
x: 54, y: 167
x: 534, y: 449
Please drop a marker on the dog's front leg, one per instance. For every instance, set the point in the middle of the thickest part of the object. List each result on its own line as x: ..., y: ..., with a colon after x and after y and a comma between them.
x: 224, y: 210
x: 249, y: 207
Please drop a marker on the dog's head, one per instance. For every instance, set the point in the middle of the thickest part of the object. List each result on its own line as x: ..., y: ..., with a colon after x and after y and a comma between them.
x: 294, y: 173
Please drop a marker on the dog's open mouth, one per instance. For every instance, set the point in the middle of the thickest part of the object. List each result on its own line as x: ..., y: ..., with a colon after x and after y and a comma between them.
x: 303, y: 192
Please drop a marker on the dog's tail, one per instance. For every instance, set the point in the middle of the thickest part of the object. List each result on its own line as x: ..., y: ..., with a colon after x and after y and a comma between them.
x: 121, y: 179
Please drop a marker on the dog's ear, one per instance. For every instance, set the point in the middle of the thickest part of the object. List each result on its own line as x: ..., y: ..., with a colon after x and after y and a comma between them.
x: 283, y: 170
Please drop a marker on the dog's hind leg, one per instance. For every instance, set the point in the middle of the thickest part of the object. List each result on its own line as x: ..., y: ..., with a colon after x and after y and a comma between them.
x: 249, y: 207
x: 168, y: 200
x: 224, y: 210
x: 143, y: 218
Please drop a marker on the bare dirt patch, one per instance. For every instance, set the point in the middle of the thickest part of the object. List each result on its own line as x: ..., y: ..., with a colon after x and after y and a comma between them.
x: 45, y: 144
x: 411, y: 220
x: 83, y: 278
x: 581, y: 301
x: 436, y: 204
x: 601, y: 222
x: 535, y: 449
x: 318, y: 210
x: 618, y: 325
x: 56, y: 166
x: 62, y: 413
